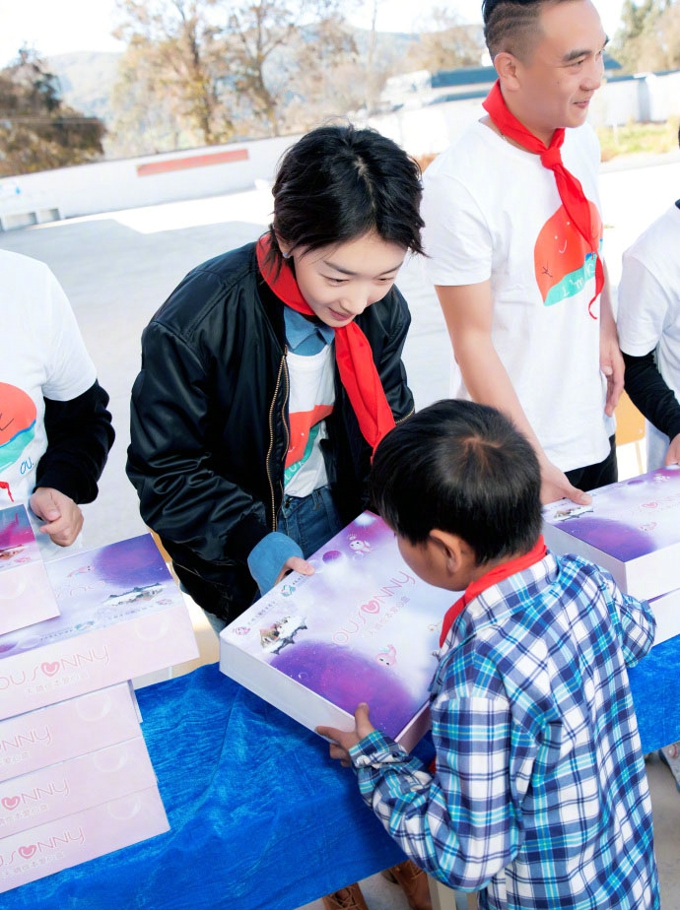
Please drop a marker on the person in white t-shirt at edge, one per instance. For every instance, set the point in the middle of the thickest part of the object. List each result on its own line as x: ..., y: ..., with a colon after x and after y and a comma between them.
x: 649, y: 335
x: 55, y: 429
x: 513, y: 238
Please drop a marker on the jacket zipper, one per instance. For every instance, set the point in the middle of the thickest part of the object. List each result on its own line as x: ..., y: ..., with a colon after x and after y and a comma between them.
x: 405, y: 417
x: 283, y: 373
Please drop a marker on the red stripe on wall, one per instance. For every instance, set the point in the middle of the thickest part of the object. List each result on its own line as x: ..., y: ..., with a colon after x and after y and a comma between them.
x: 179, y: 164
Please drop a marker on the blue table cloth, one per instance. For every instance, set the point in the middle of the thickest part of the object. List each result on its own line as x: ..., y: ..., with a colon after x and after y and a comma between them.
x: 655, y: 684
x: 260, y: 817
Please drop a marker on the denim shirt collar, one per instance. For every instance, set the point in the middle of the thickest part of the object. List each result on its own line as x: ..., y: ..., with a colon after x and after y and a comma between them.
x: 305, y: 336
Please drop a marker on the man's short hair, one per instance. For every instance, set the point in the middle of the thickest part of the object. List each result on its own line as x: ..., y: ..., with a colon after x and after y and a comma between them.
x: 512, y: 26
x: 463, y: 468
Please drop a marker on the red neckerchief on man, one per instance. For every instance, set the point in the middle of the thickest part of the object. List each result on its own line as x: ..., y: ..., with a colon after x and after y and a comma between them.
x: 570, y: 189
x: 353, y: 353
x: 490, y: 578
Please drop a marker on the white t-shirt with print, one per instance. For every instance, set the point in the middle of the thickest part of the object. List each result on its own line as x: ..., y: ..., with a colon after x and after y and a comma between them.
x: 648, y: 317
x: 312, y: 395
x: 42, y: 354
x: 492, y: 211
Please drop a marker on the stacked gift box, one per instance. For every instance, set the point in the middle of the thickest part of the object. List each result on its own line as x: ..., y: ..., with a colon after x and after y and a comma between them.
x: 26, y: 595
x: 632, y: 528
x: 76, y: 780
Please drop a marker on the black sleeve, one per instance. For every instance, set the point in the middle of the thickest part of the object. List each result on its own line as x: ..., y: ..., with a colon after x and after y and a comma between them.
x: 181, y: 495
x: 79, y: 436
x: 391, y: 365
x: 650, y: 394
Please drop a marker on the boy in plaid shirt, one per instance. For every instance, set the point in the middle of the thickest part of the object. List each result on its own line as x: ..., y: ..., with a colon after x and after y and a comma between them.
x: 539, y: 798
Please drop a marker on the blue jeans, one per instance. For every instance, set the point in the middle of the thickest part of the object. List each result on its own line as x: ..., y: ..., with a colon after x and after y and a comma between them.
x: 310, y: 521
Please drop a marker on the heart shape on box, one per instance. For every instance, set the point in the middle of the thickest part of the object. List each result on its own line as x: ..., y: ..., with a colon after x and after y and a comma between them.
x: 27, y: 852
x: 10, y: 802
x: 50, y: 669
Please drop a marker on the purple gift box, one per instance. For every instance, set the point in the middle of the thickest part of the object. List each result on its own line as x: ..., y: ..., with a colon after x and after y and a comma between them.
x: 363, y: 627
x: 25, y: 593
x: 632, y: 529
x: 121, y: 616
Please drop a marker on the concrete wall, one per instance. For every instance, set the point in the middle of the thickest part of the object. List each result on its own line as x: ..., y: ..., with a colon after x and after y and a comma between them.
x: 646, y: 97
x: 132, y: 182
x: 428, y: 130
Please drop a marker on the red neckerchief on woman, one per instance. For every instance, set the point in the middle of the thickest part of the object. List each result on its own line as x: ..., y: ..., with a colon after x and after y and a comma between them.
x: 570, y: 189
x: 353, y: 353
x: 490, y: 578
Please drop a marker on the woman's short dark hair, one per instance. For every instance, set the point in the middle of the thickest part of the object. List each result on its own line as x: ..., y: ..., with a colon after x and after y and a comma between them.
x: 464, y: 468
x: 339, y: 183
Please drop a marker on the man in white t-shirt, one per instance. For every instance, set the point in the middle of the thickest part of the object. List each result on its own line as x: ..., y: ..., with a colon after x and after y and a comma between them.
x: 55, y: 431
x: 519, y: 278
x: 649, y: 333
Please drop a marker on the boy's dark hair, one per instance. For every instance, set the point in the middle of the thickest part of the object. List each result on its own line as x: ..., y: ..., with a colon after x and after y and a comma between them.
x: 463, y: 468
x: 338, y: 183
x: 512, y: 25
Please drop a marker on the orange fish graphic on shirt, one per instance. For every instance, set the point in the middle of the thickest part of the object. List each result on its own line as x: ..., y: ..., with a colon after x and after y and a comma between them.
x: 563, y: 261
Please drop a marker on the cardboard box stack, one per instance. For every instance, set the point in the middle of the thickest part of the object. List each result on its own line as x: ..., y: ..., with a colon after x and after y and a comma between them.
x: 363, y: 627
x: 76, y: 780
x: 632, y: 529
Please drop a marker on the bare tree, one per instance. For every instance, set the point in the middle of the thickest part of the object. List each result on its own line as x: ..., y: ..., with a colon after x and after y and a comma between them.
x: 373, y: 84
x: 322, y: 86
x: 176, y: 59
x: 649, y: 37
x: 37, y: 130
x: 213, y: 69
x: 447, y: 43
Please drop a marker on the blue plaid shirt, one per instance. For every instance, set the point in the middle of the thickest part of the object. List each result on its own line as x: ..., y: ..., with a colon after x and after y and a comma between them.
x: 540, y: 797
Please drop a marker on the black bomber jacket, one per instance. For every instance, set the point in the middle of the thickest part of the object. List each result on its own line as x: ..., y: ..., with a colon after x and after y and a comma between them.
x: 209, y: 415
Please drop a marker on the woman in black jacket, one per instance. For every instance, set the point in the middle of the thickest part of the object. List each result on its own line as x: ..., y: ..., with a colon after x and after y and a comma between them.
x: 269, y: 376
x: 272, y: 371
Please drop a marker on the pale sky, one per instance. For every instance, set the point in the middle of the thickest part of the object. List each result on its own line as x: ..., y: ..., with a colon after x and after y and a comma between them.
x: 62, y: 26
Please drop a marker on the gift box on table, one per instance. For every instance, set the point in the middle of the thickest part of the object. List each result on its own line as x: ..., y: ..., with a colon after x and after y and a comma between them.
x: 632, y: 529
x: 66, y: 729
x: 82, y: 836
x: 72, y: 786
x: 121, y: 616
x: 26, y: 595
x: 76, y: 781
x: 666, y: 610
x: 363, y: 627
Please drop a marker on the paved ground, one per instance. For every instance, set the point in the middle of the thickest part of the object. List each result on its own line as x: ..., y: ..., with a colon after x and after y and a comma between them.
x: 117, y: 269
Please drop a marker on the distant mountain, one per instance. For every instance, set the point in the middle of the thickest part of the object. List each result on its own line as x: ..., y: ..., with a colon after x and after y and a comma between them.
x: 393, y: 45
x: 87, y: 78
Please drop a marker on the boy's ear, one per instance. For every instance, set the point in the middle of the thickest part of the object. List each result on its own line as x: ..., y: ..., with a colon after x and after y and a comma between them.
x: 453, y: 550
